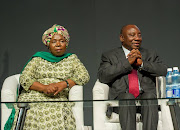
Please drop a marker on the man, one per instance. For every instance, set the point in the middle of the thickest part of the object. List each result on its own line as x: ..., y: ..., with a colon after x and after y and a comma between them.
x: 131, y: 71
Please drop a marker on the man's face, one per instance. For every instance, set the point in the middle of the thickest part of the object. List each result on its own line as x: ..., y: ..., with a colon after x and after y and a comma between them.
x: 131, y: 37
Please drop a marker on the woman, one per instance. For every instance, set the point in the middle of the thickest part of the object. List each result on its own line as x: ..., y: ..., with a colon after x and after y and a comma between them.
x: 49, y: 77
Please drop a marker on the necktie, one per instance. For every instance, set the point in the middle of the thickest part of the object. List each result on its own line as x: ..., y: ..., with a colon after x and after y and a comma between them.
x: 133, y: 83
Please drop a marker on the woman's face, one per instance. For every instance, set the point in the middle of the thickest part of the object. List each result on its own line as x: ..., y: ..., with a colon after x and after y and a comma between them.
x: 57, y: 45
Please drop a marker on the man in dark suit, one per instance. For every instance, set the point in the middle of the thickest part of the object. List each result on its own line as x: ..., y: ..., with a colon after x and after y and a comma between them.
x: 131, y: 71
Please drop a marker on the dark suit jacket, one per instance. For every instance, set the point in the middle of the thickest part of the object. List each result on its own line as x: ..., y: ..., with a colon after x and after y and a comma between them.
x: 114, y: 70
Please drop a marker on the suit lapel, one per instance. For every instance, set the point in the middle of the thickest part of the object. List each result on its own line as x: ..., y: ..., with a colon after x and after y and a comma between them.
x: 121, y: 57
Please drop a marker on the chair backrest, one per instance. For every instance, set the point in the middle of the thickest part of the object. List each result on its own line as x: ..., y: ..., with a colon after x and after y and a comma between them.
x: 9, y: 88
x: 8, y: 94
x: 161, y: 87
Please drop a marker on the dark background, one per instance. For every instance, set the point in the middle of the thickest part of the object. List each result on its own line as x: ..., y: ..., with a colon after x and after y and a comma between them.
x: 94, y: 27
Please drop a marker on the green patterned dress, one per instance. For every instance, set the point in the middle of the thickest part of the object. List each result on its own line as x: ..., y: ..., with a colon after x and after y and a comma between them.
x: 48, y: 115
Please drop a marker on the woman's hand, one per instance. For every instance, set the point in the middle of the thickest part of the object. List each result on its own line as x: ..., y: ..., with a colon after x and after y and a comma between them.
x: 60, y: 86
x: 51, y: 88
x: 47, y: 89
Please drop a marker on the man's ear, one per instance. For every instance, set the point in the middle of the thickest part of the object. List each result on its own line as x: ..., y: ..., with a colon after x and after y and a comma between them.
x: 121, y: 37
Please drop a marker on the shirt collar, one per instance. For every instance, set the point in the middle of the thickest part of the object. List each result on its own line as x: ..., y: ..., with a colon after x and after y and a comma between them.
x: 126, y: 51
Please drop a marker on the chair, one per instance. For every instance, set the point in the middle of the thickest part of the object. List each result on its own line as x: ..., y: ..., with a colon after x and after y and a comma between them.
x: 101, y: 122
x: 8, y: 94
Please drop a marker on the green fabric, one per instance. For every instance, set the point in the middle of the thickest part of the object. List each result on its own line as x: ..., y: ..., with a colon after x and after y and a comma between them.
x: 10, y: 120
x: 44, y: 55
x: 48, y: 56
x: 55, y: 30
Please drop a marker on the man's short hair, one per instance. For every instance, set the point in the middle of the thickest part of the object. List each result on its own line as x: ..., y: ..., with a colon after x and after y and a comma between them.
x: 124, y: 27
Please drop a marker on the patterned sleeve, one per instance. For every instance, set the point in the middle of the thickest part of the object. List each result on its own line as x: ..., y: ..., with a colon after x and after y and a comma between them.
x: 80, y: 74
x: 27, y: 77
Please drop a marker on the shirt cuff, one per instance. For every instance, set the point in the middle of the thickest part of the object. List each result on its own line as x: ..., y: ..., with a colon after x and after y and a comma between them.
x: 140, y: 67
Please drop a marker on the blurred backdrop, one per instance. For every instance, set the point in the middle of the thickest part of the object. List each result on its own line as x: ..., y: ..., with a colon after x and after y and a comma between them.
x: 94, y: 27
